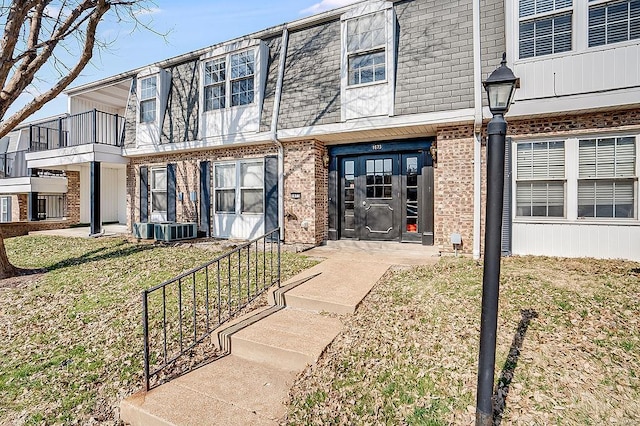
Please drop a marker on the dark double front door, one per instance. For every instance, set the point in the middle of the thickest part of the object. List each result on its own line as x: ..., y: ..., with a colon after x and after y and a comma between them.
x: 386, y: 197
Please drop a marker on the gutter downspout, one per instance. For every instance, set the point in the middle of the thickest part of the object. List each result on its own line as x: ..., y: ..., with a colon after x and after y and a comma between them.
x: 274, y: 128
x: 477, y: 130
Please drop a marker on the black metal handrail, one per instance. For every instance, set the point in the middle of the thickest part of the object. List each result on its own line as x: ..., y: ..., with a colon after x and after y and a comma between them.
x: 79, y: 129
x: 181, y: 312
x: 13, y: 164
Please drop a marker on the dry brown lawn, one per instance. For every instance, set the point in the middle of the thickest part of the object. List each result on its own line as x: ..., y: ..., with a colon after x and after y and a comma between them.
x: 568, y: 349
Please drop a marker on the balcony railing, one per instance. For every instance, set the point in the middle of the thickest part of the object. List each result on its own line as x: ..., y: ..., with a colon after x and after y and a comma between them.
x: 13, y: 164
x: 79, y: 129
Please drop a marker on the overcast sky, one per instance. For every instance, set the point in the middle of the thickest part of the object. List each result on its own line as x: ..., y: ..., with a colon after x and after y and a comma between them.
x: 190, y: 25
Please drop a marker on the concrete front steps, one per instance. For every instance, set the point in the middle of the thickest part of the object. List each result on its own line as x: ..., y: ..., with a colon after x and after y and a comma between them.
x: 268, y: 349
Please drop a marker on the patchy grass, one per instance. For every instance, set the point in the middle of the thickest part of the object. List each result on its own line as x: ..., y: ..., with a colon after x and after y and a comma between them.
x: 71, y: 336
x: 409, y: 355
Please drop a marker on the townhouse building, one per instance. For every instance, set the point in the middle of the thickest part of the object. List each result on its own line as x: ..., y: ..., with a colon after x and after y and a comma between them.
x: 368, y: 122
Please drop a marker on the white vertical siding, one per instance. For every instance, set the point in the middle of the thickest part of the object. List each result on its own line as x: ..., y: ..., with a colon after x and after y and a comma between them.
x: 78, y: 105
x: 588, y: 71
x: 110, y: 195
x: 367, y: 101
x: 85, y: 194
x: 243, y: 226
x: 577, y: 240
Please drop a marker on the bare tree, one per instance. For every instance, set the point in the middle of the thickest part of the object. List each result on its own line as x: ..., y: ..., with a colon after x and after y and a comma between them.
x: 41, y: 35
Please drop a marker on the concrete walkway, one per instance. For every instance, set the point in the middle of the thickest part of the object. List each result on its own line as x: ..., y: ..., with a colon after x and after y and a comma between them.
x: 85, y: 231
x: 250, y: 386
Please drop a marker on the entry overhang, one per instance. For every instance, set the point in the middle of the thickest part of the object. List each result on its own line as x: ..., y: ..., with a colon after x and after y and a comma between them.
x: 77, y: 154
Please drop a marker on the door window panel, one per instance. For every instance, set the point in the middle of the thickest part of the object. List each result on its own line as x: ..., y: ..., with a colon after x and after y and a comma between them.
x: 378, y: 178
x: 411, y: 164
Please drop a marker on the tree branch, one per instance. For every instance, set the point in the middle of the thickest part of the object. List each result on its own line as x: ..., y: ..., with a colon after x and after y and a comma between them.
x: 87, y: 52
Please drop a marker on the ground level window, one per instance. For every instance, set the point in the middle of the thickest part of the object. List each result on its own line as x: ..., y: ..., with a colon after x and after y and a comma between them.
x: 540, y: 185
x: 5, y: 209
x: 607, y: 177
x: 251, y: 187
x: 159, y: 190
x: 241, y: 181
x: 225, y: 188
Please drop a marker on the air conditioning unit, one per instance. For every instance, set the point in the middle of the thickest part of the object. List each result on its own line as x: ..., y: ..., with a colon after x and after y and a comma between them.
x: 143, y: 230
x: 175, y: 231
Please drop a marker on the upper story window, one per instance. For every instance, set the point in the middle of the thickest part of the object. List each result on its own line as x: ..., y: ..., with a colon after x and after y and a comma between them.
x: 613, y: 22
x: 606, y: 177
x: 214, y: 84
x: 239, y: 81
x: 242, y: 71
x: 540, y: 184
x: 148, y: 92
x: 366, y: 48
x: 545, y: 27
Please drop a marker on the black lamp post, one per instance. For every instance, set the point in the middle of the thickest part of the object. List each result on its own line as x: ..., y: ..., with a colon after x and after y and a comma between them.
x: 501, y: 86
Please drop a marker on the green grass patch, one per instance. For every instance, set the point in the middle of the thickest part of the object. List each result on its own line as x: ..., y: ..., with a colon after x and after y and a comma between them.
x: 73, y: 336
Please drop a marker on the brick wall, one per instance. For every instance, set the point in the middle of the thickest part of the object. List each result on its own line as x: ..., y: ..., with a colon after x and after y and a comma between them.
x: 435, y: 56
x: 19, y: 207
x: 187, y: 176
x: 73, y: 196
x: 305, y: 218
x: 304, y: 173
x: 453, y: 188
x: 16, y: 229
x: 576, y: 124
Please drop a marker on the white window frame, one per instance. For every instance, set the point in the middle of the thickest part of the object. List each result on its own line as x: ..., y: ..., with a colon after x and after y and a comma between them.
x: 231, y: 79
x: 238, y: 188
x: 572, y: 179
x: 606, y: 4
x: 144, y: 98
x: 606, y: 177
x: 5, y: 209
x: 579, y: 25
x: 215, y: 78
x: 154, y: 190
x: 539, y: 178
x: 542, y: 16
x: 372, y: 51
x: 377, y: 97
x: 219, y: 189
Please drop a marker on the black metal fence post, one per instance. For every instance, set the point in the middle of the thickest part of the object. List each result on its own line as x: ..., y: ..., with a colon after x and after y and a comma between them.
x: 145, y: 336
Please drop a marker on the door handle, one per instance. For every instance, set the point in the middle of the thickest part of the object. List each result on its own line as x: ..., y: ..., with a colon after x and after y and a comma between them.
x: 364, y: 203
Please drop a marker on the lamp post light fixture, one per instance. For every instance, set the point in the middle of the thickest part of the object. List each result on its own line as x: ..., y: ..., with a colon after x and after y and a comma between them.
x: 500, y: 86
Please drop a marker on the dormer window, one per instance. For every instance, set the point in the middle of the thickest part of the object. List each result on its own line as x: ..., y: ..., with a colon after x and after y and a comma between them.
x: 242, y: 70
x: 214, y: 84
x: 368, y: 52
x: 148, y: 91
x: 239, y: 81
x: 366, y: 48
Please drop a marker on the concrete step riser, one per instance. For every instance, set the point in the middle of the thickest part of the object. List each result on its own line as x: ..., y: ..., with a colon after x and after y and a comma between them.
x: 269, y: 355
x: 301, y: 302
